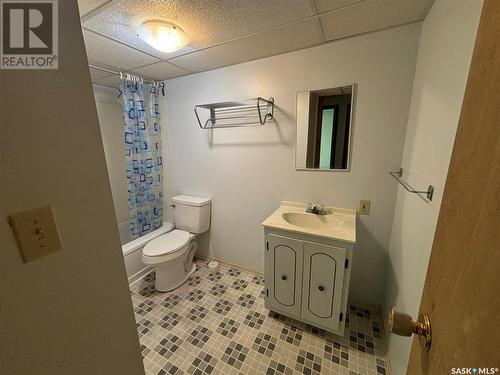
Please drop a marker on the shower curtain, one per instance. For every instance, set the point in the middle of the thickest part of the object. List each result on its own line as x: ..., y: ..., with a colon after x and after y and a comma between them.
x: 143, y: 157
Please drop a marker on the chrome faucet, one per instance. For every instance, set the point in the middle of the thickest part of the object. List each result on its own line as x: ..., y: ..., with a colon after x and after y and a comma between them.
x: 315, y: 209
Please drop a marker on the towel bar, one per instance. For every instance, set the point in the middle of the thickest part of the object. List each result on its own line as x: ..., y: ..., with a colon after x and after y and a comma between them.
x: 399, y: 177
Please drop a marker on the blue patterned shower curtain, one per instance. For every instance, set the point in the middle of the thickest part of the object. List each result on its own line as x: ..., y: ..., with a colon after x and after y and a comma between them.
x: 143, y: 165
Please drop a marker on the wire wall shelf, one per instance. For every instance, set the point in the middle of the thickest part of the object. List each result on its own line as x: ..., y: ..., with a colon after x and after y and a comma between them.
x: 232, y: 114
x: 399, y: 177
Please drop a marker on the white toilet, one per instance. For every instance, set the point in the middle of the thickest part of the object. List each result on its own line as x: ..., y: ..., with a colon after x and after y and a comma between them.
x: 171, y: 254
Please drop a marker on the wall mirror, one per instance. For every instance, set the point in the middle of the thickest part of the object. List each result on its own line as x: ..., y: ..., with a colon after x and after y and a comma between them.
x: 324, y: 129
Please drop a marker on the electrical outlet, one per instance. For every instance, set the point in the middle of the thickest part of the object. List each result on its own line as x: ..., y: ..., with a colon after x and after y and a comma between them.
x: 364, y: 207
x: 36, y: 233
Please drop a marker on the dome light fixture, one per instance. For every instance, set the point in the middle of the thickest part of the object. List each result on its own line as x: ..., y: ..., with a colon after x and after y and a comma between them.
x: 163, y: 36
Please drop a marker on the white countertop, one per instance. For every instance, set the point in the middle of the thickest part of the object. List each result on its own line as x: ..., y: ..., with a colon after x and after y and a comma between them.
x: 345, y: 230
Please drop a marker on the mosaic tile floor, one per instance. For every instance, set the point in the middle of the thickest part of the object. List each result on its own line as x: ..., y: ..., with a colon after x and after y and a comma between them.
x: 217, y: 324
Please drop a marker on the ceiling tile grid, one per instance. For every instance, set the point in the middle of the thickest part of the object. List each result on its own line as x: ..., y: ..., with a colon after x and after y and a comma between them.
x: 207, y: 22
x: 87, y: 6
x: 323, y: 6
x: 108, y: 53
x: 372, y: 15
x: 226, y: 32
x: 160, y: 71
x: 197, y: 61
x: 297, y: 36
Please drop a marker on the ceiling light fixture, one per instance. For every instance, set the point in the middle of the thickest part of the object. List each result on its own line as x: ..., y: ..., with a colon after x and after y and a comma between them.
x: 163, y: 36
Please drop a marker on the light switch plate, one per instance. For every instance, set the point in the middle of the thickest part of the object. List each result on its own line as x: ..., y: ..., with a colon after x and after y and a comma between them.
x: 364, y: 207
x: 36, y: 233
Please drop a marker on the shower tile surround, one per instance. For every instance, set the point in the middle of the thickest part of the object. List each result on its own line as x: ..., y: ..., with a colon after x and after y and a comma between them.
x: 217, y: 323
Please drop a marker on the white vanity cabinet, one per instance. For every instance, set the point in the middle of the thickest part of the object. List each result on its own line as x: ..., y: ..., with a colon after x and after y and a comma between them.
x: 307, y: 278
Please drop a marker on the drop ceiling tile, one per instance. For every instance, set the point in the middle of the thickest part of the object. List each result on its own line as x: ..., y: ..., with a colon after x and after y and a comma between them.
x: 326, y: 5
x: 289, y: 38
x: 372, y: 15
x: 205, y: 22
x: 87, y: 6
x: 160, y: 71
x: 109, y: 81
x: 196, y: 62
x: 104, y: 52
x: 95, y: 74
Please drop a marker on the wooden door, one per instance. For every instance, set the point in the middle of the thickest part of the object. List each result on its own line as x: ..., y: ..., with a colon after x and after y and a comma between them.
x: 462, y: 288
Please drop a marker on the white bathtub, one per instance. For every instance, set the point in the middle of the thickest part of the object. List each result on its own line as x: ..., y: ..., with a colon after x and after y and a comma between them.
x: 132, y: 250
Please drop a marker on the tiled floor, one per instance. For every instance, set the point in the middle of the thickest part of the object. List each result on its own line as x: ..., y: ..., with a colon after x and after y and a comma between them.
x: 218, y: 324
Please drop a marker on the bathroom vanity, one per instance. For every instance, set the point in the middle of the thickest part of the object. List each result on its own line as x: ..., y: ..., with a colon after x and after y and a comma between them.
x: 308, y: 264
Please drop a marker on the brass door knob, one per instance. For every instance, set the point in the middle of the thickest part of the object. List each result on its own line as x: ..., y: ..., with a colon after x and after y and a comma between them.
x: 403, y: 325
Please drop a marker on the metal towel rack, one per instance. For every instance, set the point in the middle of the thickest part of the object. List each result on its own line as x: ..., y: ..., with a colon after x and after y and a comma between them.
x: 249, y: 112
x: 399, y: 177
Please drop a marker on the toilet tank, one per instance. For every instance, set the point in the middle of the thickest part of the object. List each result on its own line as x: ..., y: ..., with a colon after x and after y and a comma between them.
x: 191, y: 214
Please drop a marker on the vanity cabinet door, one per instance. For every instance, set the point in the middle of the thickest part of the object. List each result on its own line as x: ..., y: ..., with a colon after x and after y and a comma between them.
x: 283, y: 273
x: 323, y: 284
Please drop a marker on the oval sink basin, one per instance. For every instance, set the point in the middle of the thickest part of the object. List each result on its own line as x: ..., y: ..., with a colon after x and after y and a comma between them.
x: 312, y: 221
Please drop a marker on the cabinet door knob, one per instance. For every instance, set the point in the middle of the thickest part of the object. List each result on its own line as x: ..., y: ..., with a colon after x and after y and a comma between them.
x: 321, y: 288
x: 283, y: 277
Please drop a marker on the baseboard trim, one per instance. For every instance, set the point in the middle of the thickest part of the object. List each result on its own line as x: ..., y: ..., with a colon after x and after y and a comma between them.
x: 138, y: 275
x: 231, y: 265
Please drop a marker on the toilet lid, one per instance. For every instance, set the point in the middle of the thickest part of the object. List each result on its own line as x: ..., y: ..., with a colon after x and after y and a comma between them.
x: 166, y: 243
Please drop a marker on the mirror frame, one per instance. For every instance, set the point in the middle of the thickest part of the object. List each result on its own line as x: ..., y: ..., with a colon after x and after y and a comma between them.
x: 350, y: 143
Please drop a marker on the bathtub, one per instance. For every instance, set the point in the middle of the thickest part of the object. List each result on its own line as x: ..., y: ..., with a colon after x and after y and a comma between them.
x: 132, y: 250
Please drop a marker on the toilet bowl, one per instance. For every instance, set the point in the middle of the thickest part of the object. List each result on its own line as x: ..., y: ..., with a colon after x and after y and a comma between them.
x: 171, y: 254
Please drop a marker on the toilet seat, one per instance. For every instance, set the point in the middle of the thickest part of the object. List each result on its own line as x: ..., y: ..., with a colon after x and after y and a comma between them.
x: 167, y: 243
x: 166, y: 247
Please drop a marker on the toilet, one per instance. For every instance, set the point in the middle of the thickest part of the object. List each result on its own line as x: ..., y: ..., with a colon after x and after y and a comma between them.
x: 171, y: 254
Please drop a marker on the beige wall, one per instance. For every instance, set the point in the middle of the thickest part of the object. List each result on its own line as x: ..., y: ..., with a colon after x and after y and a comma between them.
x: 70, y: 312
x: 248, y: 171
x: 109, y: 112
x: 444, y: 55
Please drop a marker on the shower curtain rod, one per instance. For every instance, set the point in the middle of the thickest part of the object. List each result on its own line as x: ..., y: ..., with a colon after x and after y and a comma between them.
x: 161, y: 84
